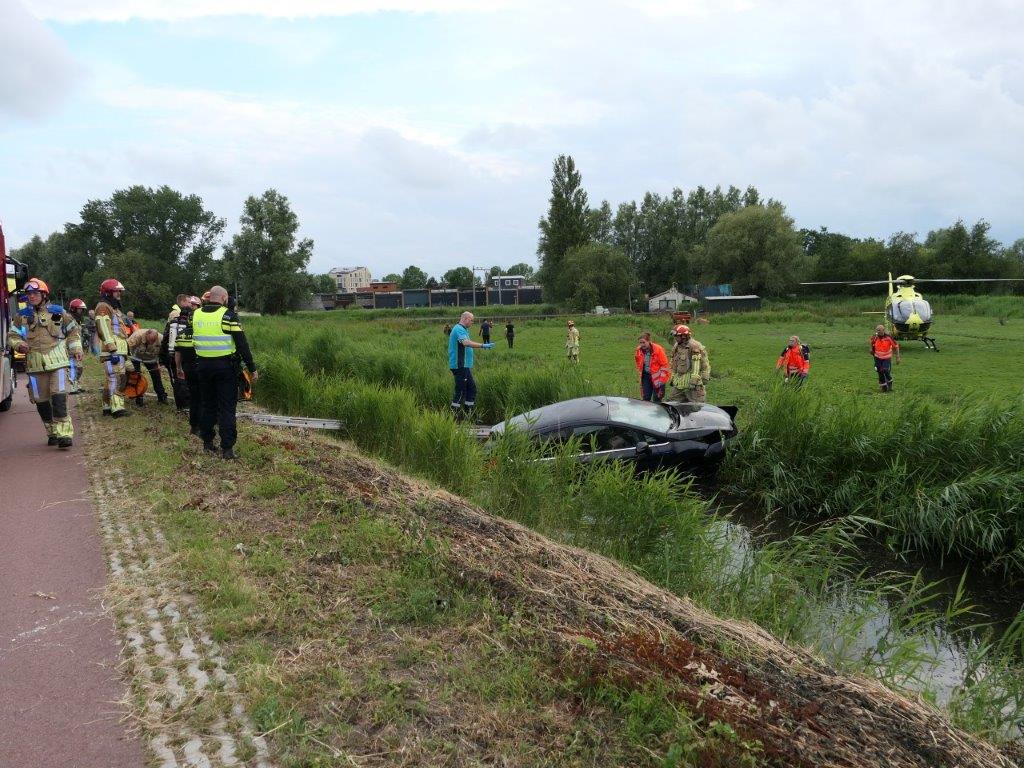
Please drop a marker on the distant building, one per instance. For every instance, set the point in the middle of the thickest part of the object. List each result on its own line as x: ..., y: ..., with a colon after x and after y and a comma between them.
x: 383, y: 286
x: 351, y: 279
x: 508, y: 281
x: 716, y: 304
x: 668, y: 301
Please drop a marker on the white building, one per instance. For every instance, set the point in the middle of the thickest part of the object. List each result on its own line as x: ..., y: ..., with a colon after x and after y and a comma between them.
x: 668, y: 301
x: 351, y: 279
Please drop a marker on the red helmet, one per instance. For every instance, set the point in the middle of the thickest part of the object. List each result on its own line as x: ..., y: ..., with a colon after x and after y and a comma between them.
x: 111, y: 285
x: 35, y: 284
x: 682, y: 330
x: 77, y: 304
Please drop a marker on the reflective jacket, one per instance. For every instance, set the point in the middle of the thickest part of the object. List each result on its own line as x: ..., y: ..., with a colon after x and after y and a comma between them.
x: 111, y: 329
x: 211, y: 334
x: 883, y: 347
x: 794, y: 361
x: 45, y: 338
x: 659, y: 363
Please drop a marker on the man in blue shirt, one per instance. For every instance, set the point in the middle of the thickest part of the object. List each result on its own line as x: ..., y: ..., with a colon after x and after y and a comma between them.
x: 460, y: 363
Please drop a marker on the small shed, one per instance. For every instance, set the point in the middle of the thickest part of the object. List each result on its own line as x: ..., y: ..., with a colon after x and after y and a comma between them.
x: 719, y: 304
x: 669, y: 301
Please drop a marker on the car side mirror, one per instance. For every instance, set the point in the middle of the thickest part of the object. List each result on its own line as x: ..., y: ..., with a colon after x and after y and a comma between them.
x: 642, y: 448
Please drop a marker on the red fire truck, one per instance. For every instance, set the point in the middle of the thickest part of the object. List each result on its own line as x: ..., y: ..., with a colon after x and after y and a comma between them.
x: 14, y: 276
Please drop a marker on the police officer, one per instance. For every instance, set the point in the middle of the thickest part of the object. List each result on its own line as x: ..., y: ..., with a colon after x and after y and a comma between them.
x: 691, y: 368
x: 112, y: 335
x: 178, y: 389
x: 46, y: 363
x: 185, y: 368
x: 218, y: 337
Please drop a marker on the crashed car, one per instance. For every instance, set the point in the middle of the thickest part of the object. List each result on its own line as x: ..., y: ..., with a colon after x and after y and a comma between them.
x: 654, y: 436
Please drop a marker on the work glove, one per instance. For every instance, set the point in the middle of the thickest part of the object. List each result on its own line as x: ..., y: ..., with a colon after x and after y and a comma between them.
x: 488, y: 345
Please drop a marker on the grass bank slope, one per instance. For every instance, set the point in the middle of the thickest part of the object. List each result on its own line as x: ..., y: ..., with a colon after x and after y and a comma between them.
x: 371, y: 619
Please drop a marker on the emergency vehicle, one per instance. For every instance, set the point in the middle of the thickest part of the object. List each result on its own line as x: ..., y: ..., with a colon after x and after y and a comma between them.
x: 14, y: 276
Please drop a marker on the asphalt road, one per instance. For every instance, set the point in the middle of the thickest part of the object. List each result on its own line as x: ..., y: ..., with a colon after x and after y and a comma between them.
x: 59, y: 686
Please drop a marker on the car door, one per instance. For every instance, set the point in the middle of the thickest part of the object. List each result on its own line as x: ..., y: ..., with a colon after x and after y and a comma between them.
x: 608, y: 441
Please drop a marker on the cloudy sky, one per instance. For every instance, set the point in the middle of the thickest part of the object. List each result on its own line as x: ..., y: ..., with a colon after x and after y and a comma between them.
x: 423, y: 131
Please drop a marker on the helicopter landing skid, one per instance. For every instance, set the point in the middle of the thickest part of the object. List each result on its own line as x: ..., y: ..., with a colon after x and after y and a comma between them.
x: 929, y: 343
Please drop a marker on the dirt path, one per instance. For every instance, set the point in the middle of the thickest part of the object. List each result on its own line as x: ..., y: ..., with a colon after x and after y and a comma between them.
x: 60, y: 690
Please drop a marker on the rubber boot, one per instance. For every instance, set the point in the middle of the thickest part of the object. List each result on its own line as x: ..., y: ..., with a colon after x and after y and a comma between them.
x: 140, y: 401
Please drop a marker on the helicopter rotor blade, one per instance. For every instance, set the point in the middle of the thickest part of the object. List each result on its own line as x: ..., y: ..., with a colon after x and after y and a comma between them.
x: 970, y: 280
x: 846, y: 282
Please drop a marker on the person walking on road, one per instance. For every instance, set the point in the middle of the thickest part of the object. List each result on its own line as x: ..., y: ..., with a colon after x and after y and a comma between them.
x: 795, y: 361
x: 112, y: 335
x: 652, y: 364
x: 572, y: 343
x: 460, y: 363
x: 691, y: 368
x: 883, y: 347
x: 510, y: 333
x: 485, y: 331
x: 218, y: 337
x: 144, y: 347
x: 47, y: 358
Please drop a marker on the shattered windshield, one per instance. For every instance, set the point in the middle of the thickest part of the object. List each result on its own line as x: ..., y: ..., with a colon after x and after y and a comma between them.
x: 651, y: 417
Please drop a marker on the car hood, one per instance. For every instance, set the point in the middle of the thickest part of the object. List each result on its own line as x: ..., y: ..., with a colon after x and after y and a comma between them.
x: 699, y: 419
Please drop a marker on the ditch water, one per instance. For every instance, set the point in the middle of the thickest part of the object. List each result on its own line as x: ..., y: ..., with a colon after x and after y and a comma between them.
x: 946, y: 659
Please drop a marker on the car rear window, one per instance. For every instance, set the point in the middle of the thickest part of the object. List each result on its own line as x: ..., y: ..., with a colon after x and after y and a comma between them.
x: 646, y: 416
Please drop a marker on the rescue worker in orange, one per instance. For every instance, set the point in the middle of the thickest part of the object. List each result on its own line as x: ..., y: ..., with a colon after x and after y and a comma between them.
x: 652, y: 364
x: 691, y: 368
x: 883, y: 347
x: 47, y: 351
x: 112, y: 336
x: 794, y: 364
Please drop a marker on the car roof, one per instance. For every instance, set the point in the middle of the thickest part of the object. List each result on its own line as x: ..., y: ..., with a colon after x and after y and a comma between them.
x: 581, y: 410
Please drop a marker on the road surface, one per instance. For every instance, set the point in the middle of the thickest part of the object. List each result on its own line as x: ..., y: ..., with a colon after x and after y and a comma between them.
x: 59, y: 684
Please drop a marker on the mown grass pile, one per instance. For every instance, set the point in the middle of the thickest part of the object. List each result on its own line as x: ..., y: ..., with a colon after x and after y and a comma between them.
x: 944, y: 480
x: 655, y: 525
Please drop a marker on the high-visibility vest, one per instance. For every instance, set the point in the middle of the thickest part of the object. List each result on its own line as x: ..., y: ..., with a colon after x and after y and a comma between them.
x: 183, y: 335
x: 208, y: 335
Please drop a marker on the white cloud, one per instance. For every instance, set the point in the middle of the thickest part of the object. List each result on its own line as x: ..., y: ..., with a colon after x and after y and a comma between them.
x: 175, y: 10
x: 36, y: 70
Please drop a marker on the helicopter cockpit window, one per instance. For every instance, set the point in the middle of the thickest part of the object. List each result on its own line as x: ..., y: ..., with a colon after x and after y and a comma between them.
x: 902, y: 310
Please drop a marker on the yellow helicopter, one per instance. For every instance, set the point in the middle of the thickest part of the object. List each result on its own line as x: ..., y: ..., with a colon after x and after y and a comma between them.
x: 907, y: 314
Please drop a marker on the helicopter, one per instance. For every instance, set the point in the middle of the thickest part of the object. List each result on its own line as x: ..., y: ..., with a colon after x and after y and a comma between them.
x: 907, y: 314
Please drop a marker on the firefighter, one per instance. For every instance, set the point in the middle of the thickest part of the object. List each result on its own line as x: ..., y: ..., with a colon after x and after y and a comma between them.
x: 218, y: 337
x: 77, y: 310
x: 883, y: 346
x: 795, y: 361
x: 46, y: 350
x: 112, y: 336
x: 181, y: 304
x: 572, y: 343
x: 144, y: 347
x: 691, y: 368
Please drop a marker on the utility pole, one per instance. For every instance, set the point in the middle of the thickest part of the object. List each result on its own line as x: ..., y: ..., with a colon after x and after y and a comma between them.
x: 482, y: 270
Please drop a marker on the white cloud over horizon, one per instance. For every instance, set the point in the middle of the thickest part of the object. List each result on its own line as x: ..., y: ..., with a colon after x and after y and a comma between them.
x: 409, y: 138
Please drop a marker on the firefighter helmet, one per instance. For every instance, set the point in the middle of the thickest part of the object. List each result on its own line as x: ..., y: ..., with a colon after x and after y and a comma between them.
x: 682, y: 330
x: 35, y: 284
x: 77, y: 304
x: 111, y: 285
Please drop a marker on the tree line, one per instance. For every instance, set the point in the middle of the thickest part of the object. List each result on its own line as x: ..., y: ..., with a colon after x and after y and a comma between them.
x: 591, y: 256
x: 160, y: 242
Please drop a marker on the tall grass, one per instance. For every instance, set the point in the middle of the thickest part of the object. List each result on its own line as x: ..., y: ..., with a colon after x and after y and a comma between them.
x: 946, y: 480
x: 801, y: 589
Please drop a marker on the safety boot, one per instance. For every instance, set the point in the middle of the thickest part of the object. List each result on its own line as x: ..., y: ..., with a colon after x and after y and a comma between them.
x: 51, y: 440
x: 140, y: 401
x: 229, y: 454
x: 120, y: 414
x: 210, y: 448
x: 162, y: 399
x: 63, y: 442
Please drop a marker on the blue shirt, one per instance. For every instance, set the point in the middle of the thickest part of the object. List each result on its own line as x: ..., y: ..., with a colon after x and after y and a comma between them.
x: 459, y: 355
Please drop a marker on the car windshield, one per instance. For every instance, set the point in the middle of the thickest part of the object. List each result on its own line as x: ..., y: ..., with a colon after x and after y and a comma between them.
x: 650, y: 417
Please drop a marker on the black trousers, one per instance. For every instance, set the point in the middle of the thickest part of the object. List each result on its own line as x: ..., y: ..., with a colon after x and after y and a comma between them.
x: 510, y: 340
x: 195, y: 398
x: 154, y: 376
x: 218, y: 386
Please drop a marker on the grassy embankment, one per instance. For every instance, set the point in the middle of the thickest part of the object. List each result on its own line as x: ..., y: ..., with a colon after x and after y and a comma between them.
x: 936, y: 464
x: 378, y: 376
x: 372, y: 620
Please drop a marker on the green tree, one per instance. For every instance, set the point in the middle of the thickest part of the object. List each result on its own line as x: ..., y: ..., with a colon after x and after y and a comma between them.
x: 524, y: 269
x: 596, y: 273
x: 266, y: 259
x: 756, y: 249
x: 391, y: 277
x: 412, y: 277
x: 323, y: 284
x: 460, y: 277
x: 566, y: 226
